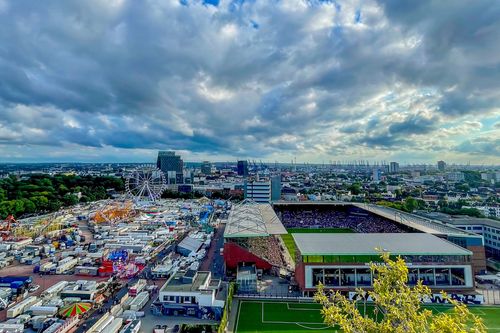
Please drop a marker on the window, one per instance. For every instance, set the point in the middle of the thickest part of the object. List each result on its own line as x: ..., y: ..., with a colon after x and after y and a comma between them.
x: 363, y: 277
x: 168, y: 298
x: 427, y: 276
x: 332, y: 277
x: 318, y: 275
x: 347, y: 277
x: 457, y: 276
x: 412, y: 276
x: 442, y: 276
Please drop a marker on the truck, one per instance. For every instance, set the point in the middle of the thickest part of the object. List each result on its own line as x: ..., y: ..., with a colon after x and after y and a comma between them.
x: 20, y: 307
x: 48, y: 267
x: 132, y: 327
x: 139, y: 301
x: 42, y: 310
x: 66, y: 264
x: 86, y: 270
x: 137, y: 287
x: 27, y: 280
x: 114, y: 326
x: 55, y: 289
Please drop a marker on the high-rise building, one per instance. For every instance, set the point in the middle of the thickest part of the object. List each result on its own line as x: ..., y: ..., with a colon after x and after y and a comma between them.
x: 169, y: 163
x: 266, y: 190
x: 243, y: 168
x: 441, y: 165
x: 206, y: 168
x: 376, y: 175
x: 394, y: 167
x: 276, y: 187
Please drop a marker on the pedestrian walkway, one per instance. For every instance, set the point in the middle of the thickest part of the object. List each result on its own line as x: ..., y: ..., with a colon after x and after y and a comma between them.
x: 232, y: 316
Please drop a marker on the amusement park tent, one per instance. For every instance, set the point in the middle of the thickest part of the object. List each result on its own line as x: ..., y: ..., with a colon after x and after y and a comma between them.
x: 75, y: 309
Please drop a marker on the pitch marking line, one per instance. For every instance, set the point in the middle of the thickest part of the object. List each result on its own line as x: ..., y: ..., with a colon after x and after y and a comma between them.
x: 301, y: 324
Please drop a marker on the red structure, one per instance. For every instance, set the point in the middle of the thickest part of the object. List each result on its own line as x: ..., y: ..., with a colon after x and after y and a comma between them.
x: 234, y: 254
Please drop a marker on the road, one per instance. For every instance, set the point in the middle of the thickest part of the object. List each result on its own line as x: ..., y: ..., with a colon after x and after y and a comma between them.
x: 214, y: 262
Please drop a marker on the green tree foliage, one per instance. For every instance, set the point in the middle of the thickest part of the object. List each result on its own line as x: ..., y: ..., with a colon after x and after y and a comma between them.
x: 43, y: 193
x: 355, y: 188
x: 400, y: 306
x: 408, y: 205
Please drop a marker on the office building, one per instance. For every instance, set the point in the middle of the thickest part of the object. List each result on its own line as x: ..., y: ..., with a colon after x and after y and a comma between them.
x: 441, y: 165
x: 243, y: 168
x: 276, y: 187
x: 170, y: 163
x: 394, y: 167
x: 376, y: 175
x: 206, y: 168
x: 258, y: 191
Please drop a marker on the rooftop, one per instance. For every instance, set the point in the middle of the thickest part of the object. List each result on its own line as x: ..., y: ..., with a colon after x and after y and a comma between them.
x: 177, y: 283
x: 463, y: 220
x: 423, y: 224
x: 251, y: 219
x: 366, y: 244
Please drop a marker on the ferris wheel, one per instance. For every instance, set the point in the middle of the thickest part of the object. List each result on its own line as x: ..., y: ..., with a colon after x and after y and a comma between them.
x: 146, y: 183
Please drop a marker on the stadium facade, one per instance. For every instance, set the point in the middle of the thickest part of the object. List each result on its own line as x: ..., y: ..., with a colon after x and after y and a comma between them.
x: 341, y: 260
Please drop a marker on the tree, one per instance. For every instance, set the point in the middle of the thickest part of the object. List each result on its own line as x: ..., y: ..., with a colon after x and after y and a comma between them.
x: 70, y: 199
x: 399, y: 304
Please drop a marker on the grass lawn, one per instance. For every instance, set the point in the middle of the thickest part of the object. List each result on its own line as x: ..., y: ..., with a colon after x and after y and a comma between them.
x: 275, y: 316
x: 290, y: 243
x: 489, y: 314
x: 292, y: 317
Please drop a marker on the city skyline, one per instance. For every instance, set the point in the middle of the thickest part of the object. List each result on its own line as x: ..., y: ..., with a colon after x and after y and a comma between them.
x: 315, y: 81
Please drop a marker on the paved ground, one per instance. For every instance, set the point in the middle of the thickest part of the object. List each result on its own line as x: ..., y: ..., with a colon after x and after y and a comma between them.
x: 45, y: 281
x: 214, y: 262
x: 149, y: 321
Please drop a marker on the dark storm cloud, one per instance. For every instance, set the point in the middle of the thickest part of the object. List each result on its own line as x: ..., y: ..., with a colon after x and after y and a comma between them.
x: 252, y: 78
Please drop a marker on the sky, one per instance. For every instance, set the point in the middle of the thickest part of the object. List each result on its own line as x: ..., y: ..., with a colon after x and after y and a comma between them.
x: 274, y: 80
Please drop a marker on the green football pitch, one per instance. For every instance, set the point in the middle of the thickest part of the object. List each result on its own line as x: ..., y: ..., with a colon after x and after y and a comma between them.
x: 293, y: 317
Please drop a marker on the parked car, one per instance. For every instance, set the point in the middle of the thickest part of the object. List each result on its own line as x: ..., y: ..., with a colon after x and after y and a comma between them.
x: 34, y: 288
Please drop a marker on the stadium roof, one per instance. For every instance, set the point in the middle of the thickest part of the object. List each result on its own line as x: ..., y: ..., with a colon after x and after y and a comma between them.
x: 251, y: 219
x: 417, y: 222
x: 366, y: 244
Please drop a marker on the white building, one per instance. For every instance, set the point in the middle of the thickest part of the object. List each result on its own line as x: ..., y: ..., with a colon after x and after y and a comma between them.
x: 190, y: 293
x: 455, y: 176
x: 258, y: 191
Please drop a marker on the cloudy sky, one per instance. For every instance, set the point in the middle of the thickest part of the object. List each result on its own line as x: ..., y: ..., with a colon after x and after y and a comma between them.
x: 116, y: 80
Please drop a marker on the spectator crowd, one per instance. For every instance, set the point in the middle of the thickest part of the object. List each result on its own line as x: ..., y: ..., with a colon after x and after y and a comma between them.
x: 358, y: 221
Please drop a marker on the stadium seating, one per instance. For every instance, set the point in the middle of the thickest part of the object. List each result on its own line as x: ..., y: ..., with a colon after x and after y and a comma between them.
x: 324, y: 217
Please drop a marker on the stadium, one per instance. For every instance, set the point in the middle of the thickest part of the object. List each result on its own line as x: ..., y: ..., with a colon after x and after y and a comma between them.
x: 334, y: 243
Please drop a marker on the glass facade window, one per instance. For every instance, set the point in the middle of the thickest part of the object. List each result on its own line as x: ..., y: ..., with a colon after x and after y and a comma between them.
x: 412, y: 276
x: 332, y: 277
x: 318, y: 275
x: 349, y: 259
x: 427, y: 276
x: 457, y: 276
x: 442, y: 276
x: 363, y: 277
x: 347, y: 277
